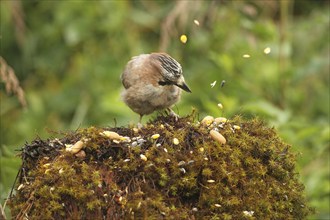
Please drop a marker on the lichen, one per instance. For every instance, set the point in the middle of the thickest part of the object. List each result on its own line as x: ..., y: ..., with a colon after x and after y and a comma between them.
x: 251, y: 176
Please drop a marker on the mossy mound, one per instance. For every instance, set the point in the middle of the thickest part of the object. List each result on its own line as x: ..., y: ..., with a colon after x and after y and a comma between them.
x: 166, y: 170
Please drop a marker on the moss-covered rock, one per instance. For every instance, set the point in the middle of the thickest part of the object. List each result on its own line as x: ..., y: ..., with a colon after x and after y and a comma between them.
x: 167, y: 169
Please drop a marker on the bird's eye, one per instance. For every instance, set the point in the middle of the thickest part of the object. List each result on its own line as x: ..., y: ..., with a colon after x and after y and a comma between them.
x: 176, y: 73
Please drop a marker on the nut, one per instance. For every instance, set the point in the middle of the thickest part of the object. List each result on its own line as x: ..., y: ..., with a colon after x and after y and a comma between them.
x: 220, y: 120
x: 207, y: 120
x: 76, y: 147
x: 218, y: 137
x: 112, y: 135
x: 81, y: 154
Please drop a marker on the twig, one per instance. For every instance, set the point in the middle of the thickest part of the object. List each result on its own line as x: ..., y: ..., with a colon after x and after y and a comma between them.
x: 8, y: 76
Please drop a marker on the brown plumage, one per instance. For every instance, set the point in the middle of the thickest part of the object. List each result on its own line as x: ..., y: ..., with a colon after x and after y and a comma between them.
x: 152, y: 82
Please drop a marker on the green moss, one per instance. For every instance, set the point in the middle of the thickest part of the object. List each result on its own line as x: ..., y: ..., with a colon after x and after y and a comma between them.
x: 252, y: 176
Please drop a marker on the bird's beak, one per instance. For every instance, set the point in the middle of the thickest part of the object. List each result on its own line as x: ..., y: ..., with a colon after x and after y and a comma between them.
x: 182, y: 84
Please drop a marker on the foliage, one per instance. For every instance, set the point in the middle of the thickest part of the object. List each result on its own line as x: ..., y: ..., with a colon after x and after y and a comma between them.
x: 68, y: 57
x: 251, y: 176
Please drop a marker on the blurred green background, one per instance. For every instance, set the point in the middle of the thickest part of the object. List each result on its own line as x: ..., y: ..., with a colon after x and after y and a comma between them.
x: 68, y: 56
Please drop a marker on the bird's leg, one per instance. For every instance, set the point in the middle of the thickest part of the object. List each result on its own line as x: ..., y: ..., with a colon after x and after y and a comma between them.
x: 173, y: 114
x: 139, y: 125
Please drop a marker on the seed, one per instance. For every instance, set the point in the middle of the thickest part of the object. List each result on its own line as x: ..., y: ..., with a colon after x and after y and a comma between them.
x: 181, y: 163
x: 210, y: 181
x: 155, y: 136
x: 246, y: 56
x: 20, y: 187
x: 190, y: 162
x: 141, y: 141
x: 220, y: 106
x: 201, y: 149
x: 217, y: 205
x: 143, y: 157
x: 175, y: 141
x: 207, y: 120
x: 125, y: 139
x: 248, y: 213
x: 220, y: 120
x: 218, y: 137
x: 236, y: 127
x: 46, y: 165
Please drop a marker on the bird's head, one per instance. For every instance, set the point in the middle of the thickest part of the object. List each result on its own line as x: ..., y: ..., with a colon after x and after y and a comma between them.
x: 171, y: 71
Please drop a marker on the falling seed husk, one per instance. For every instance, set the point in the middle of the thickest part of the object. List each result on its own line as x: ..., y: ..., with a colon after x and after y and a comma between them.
x: 267, y: 50
x: 213, y: 84
x: 183, y: 38
x: 196, y: 22
x: 218, y: 137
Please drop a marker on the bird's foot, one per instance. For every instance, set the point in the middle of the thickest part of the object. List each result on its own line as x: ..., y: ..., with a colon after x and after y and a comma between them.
x: 139, y: 125
x: 173, y: 114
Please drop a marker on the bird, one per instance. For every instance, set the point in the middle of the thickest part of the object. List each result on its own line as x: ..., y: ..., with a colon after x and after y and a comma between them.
x: 152, y: 82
